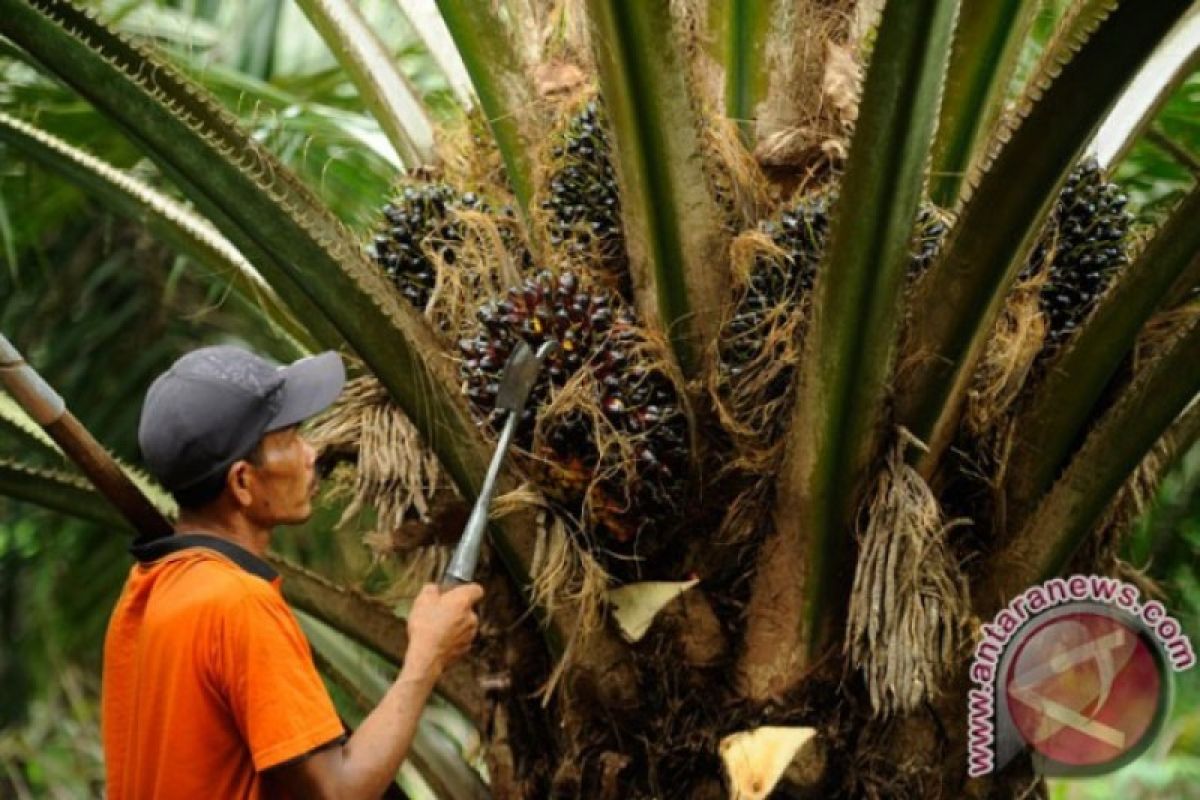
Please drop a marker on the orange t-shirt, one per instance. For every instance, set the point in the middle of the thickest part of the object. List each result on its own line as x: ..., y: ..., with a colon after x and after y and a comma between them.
x: 208, y: 679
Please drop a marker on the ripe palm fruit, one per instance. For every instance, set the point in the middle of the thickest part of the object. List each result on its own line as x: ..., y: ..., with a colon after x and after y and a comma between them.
x: 584, y: 204
x: 623, y: 449
x: 418, y: 224
x: 1084, y: 242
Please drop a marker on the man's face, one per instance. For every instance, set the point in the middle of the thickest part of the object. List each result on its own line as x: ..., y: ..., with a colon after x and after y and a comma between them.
x: 284, y: 480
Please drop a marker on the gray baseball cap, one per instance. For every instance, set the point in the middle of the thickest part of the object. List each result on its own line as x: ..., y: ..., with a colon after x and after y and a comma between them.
x: 214, y: 404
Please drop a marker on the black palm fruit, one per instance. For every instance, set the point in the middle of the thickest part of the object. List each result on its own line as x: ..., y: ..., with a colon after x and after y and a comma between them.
x: 927, y: 239
x: 630, y: 488
x: 1084, y: 241
x: 417, y: 222
x: 800, y: 233
x: 584, y: 205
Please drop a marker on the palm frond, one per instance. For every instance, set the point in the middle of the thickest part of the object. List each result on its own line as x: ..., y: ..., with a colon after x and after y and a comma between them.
x: 501, y: 80
x: 1173, y: 61
x: 381, y: 85
x: 744, y: 27
x: 1113, y: 449
x: 987, y: 42
x: 961, y: 295
x: 676, y: 246
x: 188, y: 232
x: 423, y: 15
x: 848, y: 349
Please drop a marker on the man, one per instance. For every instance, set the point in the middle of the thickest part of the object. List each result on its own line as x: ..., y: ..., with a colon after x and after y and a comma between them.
x: 209, y: 689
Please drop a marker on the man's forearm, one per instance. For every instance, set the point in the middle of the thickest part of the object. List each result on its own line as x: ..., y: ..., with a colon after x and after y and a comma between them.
x: 373, y: 755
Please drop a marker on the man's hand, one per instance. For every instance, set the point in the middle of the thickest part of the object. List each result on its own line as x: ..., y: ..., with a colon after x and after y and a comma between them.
x: 441, y: 626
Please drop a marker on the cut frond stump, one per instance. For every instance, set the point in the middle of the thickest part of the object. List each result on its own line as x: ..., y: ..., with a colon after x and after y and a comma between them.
x: 909, y: 598
x: 635, y: 605
x: 755, y: 760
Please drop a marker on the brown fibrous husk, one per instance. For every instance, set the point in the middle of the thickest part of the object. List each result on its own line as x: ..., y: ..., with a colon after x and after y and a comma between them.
x: 737, y: 181
x: 1161, y: 330
x: 809, y: 109
x: 1009, y: 357
x: 563, y: 576
x: 909, y: 602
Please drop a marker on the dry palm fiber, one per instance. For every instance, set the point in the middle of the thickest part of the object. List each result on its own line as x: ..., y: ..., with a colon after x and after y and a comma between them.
x: 468, y: 154
x: 737, y: 182
x: 812, y: 98
x: 747, y: 515
x: 562, y: 574
x: 604, y: 428
x: 393, y: 472
x: 1008, y: 358
x: 909, y: 600
x: 1161, y: 330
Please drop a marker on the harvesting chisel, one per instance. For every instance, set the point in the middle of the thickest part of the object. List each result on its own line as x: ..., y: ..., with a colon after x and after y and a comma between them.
x: 516, y: 382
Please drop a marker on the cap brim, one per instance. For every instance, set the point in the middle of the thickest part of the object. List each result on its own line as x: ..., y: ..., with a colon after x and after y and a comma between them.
x: 310, y: 385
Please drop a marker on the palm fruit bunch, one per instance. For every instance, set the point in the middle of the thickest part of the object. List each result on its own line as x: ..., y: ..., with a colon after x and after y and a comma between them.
x: 927, y: 240
x: 800, y: 233
x: 419, y: 223
x: 1084, y: 242
x: 583, y: 203
x: 628, y: 488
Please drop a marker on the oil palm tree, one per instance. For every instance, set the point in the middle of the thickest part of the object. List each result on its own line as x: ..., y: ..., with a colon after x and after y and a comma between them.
x: 853, y: 349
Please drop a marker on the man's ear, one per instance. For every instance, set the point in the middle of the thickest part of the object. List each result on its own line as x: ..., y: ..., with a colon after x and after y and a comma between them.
x: 238, y: 481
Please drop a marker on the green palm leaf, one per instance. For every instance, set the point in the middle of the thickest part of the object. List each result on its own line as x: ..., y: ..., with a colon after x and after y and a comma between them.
x: 501, y: 81
x: 744, y: 28
x: 987, y: 42
x: 1115, y: 446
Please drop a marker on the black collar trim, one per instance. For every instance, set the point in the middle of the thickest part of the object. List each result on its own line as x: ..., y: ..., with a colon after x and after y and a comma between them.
x: 147, y: 550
